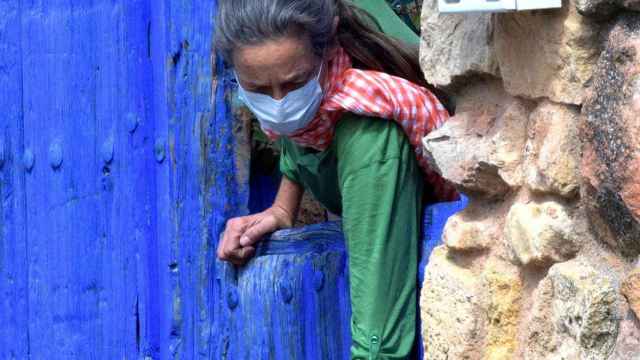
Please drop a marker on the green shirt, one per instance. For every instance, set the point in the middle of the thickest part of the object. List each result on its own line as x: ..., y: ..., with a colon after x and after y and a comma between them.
x: 369, y: 175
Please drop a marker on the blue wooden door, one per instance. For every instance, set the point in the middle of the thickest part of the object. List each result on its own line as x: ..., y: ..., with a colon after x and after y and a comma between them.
x: 116, y: 178
x: 119, y: 166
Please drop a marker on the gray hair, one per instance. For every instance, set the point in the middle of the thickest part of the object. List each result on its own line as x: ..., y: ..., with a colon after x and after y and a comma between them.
x: 251, y: 22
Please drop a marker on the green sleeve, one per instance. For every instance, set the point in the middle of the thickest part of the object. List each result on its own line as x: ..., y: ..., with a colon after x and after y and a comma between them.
x: 314, y: 170
x: 288, y: 166
x: 381, y: 188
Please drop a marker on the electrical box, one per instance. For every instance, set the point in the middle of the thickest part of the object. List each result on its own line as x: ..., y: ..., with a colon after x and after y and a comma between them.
x: 458, y: 6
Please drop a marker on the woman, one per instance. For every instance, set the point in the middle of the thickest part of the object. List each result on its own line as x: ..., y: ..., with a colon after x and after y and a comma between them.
x: 320, y: 76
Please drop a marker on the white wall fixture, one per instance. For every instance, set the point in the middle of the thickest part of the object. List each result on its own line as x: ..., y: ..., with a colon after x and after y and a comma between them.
x: 457, y: 6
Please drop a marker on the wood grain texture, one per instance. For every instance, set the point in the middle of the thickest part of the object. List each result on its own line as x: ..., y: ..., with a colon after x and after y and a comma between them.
x: 292, y: 300
x: 14, y: 300
x: 105, y: 246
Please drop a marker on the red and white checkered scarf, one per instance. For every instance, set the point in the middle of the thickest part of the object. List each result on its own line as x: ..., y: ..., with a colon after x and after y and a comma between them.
x: 376, y: 94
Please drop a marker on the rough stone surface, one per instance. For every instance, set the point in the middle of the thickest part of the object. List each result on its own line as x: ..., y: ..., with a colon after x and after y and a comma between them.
x: 463, y: 234
x: 612, y: 133
x: 631, y: 291
x: 540, y: 335
x: 455, y: 46
x: 540, y: 233
x: 481, y: 153
x: 503, y: 285
x: 450, y: 310
x: 576, y: 315
x: 628, y: 345
x: 547, y: 53
x: 548, y: 151
x: 553, y: 150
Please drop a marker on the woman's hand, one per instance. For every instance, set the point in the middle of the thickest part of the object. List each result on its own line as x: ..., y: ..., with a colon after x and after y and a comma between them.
x: 241, y: 234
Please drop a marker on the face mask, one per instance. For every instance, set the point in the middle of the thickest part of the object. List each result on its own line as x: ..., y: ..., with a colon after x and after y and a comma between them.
x: 291, y: 113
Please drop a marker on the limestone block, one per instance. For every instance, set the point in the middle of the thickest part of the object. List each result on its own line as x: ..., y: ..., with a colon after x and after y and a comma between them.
x: 502, y: 285
x: 553, y: 150
x: 481, y: 153
x: 451, y: 314
x: 547, y: 54
x: 631, y: 291
x: 509, y: 140
x: 462, y: 234
x: 540, y: 233
x: 586, y: 308
x: 576, y: 314
x: 455, y: 46
x: 485, y: 96
x: 611, y: 134
x: 540, y: 336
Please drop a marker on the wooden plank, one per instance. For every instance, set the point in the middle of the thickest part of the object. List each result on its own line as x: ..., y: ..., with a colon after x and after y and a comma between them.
x: 119, y: 130
x: 139, y: 168
x: 193, y: 149
x: 228, y: 197
x: 164, y: 223
x: 61, y: 193
x: 14, y: 307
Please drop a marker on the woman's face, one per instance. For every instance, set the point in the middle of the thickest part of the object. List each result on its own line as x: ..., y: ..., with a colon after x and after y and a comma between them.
x: 276, y: 66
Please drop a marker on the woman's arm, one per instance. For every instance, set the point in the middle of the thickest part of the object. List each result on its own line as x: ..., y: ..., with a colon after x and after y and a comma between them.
x: 241, y: 234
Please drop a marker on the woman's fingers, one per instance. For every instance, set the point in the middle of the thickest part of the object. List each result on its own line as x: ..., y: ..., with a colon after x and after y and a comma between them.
x: 242, y: 255
x: 241, y: 235
x: 230, y: 248
x: 231, y: 238
x: 254, y: 233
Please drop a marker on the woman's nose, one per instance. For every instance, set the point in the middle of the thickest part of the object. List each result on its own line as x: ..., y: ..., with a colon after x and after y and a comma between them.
x: 278, y: 93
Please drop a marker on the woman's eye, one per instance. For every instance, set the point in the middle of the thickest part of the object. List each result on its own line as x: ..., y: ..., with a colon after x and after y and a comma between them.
x: 262, y: 90
x: 295, y: 85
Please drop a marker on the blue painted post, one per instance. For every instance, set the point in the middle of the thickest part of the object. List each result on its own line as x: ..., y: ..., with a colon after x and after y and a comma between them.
x: 292, y: 300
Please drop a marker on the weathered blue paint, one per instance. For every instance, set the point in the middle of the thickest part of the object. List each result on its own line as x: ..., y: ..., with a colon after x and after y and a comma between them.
x: 292, y: 300
x: 105, y: 184
x: 14, y: 300
x: 118, y: 172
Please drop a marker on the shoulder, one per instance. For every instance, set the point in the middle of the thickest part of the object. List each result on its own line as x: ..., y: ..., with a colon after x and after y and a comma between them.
x: 361, y: 140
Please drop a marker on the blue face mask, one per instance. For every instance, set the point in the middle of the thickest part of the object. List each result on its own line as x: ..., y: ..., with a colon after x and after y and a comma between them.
x: 291, y: 113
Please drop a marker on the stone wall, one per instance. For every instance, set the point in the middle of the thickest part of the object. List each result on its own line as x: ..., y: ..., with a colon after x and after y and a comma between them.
x: 544, y: 263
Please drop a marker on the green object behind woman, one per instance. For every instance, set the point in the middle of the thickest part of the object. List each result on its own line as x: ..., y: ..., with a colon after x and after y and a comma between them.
x: 390, y: 23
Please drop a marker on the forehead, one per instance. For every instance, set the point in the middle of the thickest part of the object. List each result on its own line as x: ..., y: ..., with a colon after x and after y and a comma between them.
x: 274, y: 59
